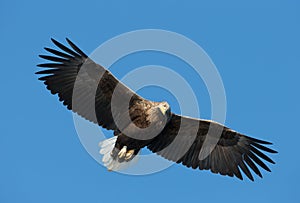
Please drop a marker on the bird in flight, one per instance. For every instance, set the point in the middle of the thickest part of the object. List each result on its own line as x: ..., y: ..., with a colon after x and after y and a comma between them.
x: 92, y: 92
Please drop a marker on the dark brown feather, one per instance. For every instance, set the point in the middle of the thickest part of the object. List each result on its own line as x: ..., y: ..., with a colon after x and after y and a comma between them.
x: 93, y: 94
x: 232, y: 151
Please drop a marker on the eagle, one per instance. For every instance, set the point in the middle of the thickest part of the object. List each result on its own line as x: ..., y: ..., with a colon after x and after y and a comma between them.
x: 92, y: 92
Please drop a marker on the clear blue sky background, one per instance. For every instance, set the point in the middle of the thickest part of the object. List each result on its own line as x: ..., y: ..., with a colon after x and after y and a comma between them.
x: 254, y: 45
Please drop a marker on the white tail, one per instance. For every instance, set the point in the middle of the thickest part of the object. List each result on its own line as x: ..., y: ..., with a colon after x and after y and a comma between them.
x: 111, y: 164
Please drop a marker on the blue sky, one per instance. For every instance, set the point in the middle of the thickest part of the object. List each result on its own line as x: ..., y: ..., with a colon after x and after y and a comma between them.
x: 255, y: 47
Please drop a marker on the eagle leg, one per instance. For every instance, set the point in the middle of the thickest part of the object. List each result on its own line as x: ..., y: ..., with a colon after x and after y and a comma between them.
x: 129, y: 155
x: 122, y: 152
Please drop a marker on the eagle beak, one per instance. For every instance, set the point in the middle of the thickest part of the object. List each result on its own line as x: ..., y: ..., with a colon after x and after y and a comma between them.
x: 162, y: 110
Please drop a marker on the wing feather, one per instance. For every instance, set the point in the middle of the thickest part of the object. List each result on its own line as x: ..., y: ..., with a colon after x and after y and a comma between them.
x: 64, y: 72
x: 233, y: 151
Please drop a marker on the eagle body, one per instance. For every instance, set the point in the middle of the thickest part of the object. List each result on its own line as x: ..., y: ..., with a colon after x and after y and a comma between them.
x: 142, y: 114
x: 92, y: 92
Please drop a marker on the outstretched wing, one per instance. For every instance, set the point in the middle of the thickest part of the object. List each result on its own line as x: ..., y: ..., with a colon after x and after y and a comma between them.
x: 183, y: 139
x: 84, y: 86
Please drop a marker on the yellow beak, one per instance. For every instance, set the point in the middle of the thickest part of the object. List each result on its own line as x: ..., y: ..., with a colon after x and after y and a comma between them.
x: 163, y: 110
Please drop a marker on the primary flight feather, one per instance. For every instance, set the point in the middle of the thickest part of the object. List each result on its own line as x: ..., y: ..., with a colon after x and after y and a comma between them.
x: 91, y: 91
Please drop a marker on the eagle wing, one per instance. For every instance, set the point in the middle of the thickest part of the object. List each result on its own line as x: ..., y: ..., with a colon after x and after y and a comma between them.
x: 84, y: 86
x: 183, y: 138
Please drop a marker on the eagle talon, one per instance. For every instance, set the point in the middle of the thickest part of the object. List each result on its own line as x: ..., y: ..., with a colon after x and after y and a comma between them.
x: 122, y: 152
x: 129, y: 154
